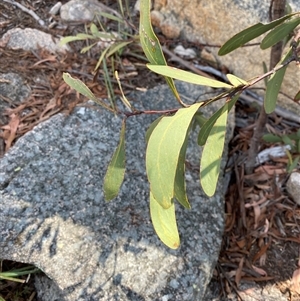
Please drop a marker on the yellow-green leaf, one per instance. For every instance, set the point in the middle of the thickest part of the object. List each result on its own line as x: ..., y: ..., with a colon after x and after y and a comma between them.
x: 151, y: 45
x: 116, y: 169
x: 79, y: 86
x: 164, y: 223
x: 297, y: 96
x: 212, y: 154
x: 279, y: 33
x: 116, y: 47
x: 94, y: 29
x: 163, y: 152
x: 249, y: 34
x: 78, y: 37
x: 236, y: 81
x: 186, y: 76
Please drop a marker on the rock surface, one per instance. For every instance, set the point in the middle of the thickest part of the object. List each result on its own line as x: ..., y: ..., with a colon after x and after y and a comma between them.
x: 53, y: 215
x: 214, y: 23
x: 13, y: 90
x: 31, y: 39
x: 81, y: 10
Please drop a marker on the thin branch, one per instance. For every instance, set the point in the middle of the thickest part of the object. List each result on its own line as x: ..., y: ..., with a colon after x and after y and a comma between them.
x: 26, y: 10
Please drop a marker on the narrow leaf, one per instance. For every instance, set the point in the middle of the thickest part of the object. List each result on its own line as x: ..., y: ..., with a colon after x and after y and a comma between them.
x: 265, y: 69
x: 151, y: 45
x: 94, y: 29
x: 116, y: 47
x: 87, y: 48
x: 273, y: 86
x: 212, y: 155
x: 101, y: 58
x: 79, y: 86
x: 187, y: 76
x: 111, y: 17
x: 236, y: 81
x: 297, y: 96
x: 179, y: 184
x: 279, y: 33
x: 249, y: 34
x: 163, y: 152
x: 116, y: 169
x: 69, y: 39
x: 123, y: 98
x: 207, y: 127
x: 164, y: 223
x: 271, y: 138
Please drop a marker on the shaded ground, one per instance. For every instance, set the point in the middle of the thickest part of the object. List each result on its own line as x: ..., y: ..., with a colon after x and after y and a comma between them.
x: 261, y: 242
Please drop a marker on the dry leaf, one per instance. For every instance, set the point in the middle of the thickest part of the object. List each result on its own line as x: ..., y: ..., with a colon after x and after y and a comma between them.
x: 260, y: 271
x: 238, y: 274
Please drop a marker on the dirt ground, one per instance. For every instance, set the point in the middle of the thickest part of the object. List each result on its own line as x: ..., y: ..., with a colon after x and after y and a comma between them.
x: 262, y: 233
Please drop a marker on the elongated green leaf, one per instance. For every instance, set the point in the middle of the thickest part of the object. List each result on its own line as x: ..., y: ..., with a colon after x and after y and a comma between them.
x: 249, y: 34
x: 163, y: 152
x: 78, y: 37
x: 79, y: 86
x: 151, y: 45
x: 186, y: 76
x: 111, y: 17
x: 274, y: 84
x: 152, y: 127
x: 279, y: 33
x: 236, y: 81
x: 207, y: 127
x: 94, y: 29
x: 164, y: 223
x: 265, y: 68
x: 297, y: 96
x: 116, y: 169
x: 271, y: 138
x: 101, y: 58
x: 87, y: 48
x: 116, y: 47
x: 179, y: 184
x: 212, y: 155
x: 200, y: 119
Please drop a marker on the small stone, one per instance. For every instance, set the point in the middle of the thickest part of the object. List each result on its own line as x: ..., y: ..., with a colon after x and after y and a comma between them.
x: 188, y: 53
x: 293, y: 186
x: 80, y: 10
x: 55, y: 9
x: 156, y: 18
x: 31, y: 39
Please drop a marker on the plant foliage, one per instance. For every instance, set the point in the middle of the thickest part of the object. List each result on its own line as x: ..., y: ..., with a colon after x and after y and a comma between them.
x: 167, y: 137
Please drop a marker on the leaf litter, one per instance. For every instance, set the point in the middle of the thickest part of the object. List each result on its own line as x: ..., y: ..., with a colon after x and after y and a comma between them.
x: 261, y: 242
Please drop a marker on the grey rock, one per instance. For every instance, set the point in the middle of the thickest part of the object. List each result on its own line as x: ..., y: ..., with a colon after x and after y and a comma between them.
x: 13, y: 90
x: 80, y: 10
x: 53, y: 213
x: 31, y: 39
x: 55, y: 8
x: 293, y: 186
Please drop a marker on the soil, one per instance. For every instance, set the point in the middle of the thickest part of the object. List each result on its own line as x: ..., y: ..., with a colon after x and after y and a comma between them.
x: 261, y: 247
